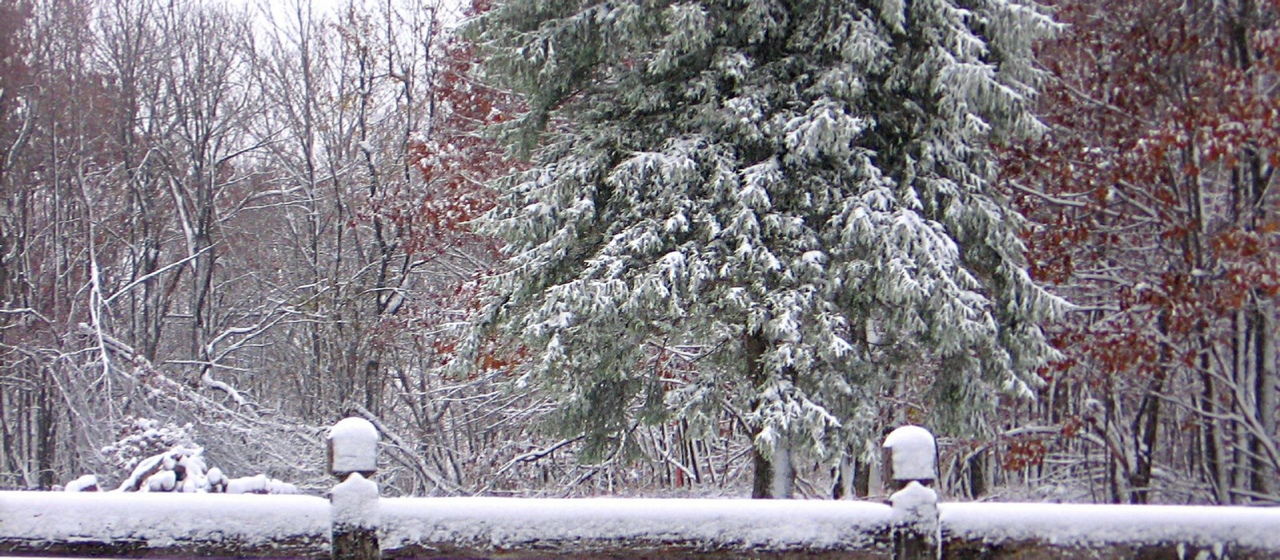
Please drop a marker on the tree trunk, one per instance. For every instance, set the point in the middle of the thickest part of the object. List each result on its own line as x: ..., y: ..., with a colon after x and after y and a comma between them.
x: 1147, y: 426
x: 46, y: 435
x: 372, y: 387
x: 842, y: 486
x: 1264, y: 474
x: 762, y: 473
x: 773, y: 473
x: 1214, y: 459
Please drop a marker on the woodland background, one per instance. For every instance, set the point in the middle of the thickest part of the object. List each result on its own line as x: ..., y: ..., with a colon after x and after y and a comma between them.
x: 234, y: 225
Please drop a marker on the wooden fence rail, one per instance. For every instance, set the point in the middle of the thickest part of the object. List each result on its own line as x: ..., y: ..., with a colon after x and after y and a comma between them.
x: 356, y: 523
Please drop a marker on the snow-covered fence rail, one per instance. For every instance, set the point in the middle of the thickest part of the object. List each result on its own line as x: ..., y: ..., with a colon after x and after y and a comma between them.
x: 357, y: 524
x: 1008, y: 530
x: 634, y: 528
x: 124, y: 525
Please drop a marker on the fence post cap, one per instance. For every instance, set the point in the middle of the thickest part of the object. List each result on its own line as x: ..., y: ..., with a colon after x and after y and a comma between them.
x: 353, y: 448
x: 915, y: 454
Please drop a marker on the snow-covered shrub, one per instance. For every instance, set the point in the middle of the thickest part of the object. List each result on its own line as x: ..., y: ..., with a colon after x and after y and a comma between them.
x: 163, y: 458
x: 183, y: 469
x: 144, y: 437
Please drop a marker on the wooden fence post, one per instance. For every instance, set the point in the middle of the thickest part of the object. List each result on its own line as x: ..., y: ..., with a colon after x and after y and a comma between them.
x: 353, y: 504
x: 915, y: 505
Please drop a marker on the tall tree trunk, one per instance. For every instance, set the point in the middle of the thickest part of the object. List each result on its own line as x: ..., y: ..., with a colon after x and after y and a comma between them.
x: 1265, y: 469
x: 843, y: 486
x: 373, y: 387
x: 762, y: 471
x: 46, y: 434
x: 772, y: 474
x: 1213, y: 456
x: 1147, y: 426
x: 8, y: 460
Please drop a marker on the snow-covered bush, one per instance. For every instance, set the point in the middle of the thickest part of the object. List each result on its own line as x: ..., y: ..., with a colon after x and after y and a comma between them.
x: 163, y: 458
x: 145, y: 437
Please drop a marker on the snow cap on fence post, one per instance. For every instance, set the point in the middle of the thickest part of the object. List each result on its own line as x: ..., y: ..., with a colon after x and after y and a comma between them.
x: 353, y: 448
x: 914, y: 456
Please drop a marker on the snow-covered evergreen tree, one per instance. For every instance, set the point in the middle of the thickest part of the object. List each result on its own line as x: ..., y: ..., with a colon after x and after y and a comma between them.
x: 800, y: 189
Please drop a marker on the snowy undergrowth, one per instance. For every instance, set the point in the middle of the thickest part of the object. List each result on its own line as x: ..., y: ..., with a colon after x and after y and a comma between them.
x: 163, y: 458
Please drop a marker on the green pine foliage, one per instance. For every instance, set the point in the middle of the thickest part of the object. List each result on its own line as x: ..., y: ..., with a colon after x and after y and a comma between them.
x: 802, y: 190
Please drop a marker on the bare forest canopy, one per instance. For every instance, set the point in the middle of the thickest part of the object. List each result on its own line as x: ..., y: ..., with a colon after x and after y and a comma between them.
x: 228, y: 227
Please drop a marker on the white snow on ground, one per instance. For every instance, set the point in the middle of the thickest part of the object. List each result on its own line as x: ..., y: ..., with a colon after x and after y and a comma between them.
x: 914, y: 453
x: 513, y: 522
x: 1086, y: 524
x: 86, y: 483
x: 160, y: 519
x: 258, y: 484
